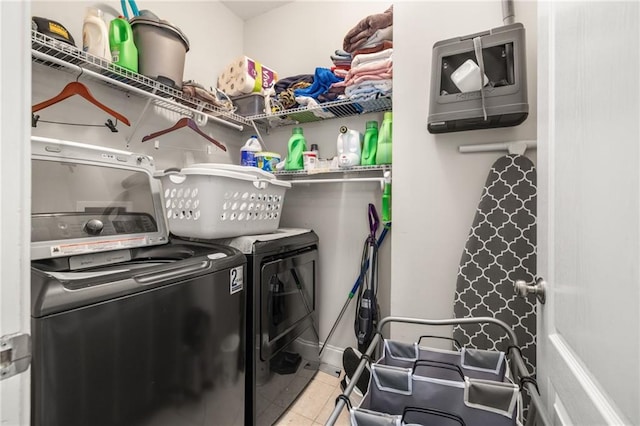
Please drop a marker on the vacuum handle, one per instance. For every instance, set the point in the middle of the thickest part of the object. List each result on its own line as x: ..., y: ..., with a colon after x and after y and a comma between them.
x: 374, y: 221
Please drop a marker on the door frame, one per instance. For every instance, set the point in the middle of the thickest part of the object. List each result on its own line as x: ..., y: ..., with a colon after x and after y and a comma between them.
x: 15, y: 193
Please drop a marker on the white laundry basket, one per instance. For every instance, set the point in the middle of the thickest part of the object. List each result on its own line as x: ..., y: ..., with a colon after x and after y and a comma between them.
x: 211, y: 200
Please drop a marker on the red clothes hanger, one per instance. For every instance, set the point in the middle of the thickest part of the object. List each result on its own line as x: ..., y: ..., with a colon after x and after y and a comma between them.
x: 185, y: 122
x: 77, y: 88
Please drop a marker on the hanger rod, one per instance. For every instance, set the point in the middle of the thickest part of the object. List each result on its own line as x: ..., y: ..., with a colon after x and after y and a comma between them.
x: 48, y: 58
x: 343, y: 180
x: 500, y: 146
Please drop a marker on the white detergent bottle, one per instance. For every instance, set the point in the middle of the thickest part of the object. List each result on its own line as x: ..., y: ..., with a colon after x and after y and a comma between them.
x: 249, y: 150
x: 349, y: 147
x: 95, y: 34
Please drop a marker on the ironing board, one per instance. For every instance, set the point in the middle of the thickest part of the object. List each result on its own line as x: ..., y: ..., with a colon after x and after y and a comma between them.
x: 500, y: 249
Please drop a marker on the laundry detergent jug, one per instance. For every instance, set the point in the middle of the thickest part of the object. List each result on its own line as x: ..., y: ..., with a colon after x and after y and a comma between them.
x: 296, y: 147
x: 249, y: 150
x: 95, y: 34
x: 123, y: 50
x: 383, y: 156
x: 349, y: 147
x: 370, y: 144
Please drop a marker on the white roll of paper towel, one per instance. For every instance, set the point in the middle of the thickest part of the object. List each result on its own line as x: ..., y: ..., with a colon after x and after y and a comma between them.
x: 244, y: 75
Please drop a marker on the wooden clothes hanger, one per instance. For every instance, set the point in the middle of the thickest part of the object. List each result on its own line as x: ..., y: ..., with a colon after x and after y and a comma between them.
x: 185, y: 122
x: 77, y: 88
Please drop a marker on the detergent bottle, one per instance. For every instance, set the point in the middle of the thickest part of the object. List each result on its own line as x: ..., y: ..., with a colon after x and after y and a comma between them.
x: 370, y: 144
x: 249, y: 150
x: 123, y: 49
x: 297, y: 145
x: 349, y: 147
x: 383, y: 154
x: 95, y: 34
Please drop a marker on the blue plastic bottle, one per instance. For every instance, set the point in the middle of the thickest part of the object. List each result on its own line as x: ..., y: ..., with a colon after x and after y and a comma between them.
x: 297, y: 145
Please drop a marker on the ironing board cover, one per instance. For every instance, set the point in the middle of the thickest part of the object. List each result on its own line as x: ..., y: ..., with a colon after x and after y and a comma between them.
x: 500, y: 249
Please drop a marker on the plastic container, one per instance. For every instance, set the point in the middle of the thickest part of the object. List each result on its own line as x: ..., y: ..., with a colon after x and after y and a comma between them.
x: 370, y: 144
x: 248, y: 105
x: 310, y: 160
x: 95, y: 34
x: 296, y: 146
x: 349, y: 147
x: 249, y: 150
x: 123, y: 49
x: 211, y: 200
x: 383, y: 154
x: 267, y: 161
x: 162, y: 48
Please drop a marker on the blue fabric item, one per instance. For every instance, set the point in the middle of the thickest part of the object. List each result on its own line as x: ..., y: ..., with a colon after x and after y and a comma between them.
x: 322, y: 80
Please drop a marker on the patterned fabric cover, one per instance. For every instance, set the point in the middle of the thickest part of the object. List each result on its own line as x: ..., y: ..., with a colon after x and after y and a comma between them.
x: 500, y: 249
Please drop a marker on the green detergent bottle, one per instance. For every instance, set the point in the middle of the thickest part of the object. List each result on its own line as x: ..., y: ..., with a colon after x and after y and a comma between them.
x: 297, y: 145
x: 123, y: 49
x: 383, y: 155
x: 370, y: 144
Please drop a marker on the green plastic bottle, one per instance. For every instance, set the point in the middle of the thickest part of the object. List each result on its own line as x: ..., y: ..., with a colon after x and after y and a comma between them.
x: 123, y: 49
x: 297, y: 145
x: 386, y: 198
x: 383, y: 155
x: 370, y: 144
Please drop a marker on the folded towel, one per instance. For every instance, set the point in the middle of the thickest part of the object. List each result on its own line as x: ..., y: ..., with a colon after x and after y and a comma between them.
x: 369, y: 57
x: 383, y: 34
x: 383, y: 45
x: 366, y: 27
x: 369, y: 89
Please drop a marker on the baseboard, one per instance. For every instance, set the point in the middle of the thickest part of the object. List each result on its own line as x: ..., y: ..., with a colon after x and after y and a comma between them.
x: 332, y: 356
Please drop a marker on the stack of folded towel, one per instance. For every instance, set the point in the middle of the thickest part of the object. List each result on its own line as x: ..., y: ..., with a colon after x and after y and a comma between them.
x: 370, y: 32
x: 370, y: 44
x: 341, y: 62
x: 370, y: 76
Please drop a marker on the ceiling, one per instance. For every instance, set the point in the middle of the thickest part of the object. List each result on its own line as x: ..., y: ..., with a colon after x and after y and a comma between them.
x: 249, y: 9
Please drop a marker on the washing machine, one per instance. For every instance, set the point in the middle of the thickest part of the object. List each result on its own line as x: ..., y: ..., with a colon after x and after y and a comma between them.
x: 129, y: 325
x: 282, y: 321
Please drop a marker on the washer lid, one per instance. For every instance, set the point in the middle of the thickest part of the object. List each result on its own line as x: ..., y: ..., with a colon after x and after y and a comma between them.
x: 88, y: 199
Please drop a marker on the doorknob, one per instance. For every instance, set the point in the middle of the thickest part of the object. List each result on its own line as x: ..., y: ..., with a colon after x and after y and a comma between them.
x: 523, y: 289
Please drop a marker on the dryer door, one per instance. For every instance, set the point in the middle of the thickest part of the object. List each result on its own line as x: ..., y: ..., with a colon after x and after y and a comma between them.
x: 287, y: 300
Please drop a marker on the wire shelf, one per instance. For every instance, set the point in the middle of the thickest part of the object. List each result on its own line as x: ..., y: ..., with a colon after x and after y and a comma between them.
x: 324, y: 111
x: 53, y: 52
x: 293, y: 174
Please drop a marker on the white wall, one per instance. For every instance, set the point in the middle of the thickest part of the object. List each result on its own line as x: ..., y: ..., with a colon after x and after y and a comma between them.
x: 435, y: 188
x: 295, y: 39
x: 215, y: 38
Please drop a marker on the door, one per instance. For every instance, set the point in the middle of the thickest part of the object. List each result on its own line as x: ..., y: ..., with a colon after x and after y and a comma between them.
x: 589, y: 146
x: 15, y: 187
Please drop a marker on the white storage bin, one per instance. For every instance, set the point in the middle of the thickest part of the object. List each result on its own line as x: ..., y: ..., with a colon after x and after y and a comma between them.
x: 221, y: 200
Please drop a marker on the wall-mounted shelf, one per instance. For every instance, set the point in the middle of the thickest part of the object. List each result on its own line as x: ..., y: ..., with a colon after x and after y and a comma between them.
x: 55, y: 54
x: 351, y: 174
x: 324, y: 111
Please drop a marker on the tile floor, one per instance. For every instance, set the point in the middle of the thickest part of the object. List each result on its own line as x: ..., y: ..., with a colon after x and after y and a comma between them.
x: 314, y: 406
